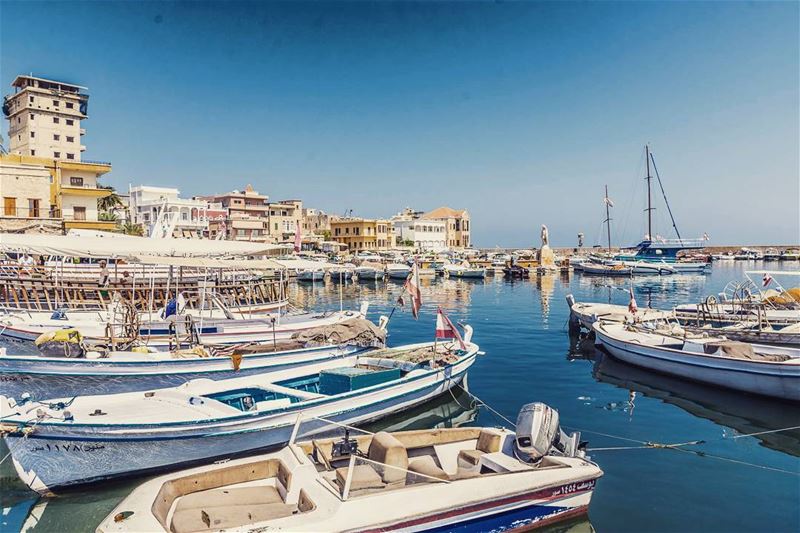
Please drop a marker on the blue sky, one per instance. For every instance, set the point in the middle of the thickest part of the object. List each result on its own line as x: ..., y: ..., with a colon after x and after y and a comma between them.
x: 520, y: 112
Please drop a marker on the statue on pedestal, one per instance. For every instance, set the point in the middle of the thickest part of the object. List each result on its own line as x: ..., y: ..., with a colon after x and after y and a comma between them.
x: 547, y: 259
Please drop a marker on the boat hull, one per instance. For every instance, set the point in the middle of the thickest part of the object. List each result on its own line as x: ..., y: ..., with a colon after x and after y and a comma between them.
x: 777, y: 381
x: 60, y: 455
x: 56, y: 377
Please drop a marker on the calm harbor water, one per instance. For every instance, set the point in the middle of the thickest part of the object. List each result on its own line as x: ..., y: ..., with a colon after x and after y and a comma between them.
x: 739, y: 483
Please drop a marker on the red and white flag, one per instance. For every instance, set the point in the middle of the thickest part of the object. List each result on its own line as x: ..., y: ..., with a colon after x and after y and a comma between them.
x: 412, y: 287
x: 632, y: 307
x: 445, y: 329
x: 766, y: 280
x: 297, y: 238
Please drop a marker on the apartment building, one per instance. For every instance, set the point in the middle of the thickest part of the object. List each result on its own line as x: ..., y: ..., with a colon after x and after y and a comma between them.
x: 361, y: 234
x: 45, y: 118
x: 187, y: 217
x: 457, y: 226
x: 247, y: 215
x: 73, y: 190
x: 284, y: 219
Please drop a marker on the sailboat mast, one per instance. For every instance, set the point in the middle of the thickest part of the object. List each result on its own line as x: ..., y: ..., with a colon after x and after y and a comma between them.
x: 608, y: 220
x: 649, y: 201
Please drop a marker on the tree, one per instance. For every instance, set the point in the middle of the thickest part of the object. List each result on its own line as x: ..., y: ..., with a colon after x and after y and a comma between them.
x: 110, y: 203
x: 129, y: 228
x: 107, y: 216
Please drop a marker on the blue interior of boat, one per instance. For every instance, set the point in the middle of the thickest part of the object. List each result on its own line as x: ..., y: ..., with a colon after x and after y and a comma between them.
x: 245, y: 399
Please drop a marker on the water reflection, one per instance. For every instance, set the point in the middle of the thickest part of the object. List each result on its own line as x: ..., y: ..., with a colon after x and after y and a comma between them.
x: 746, y: 414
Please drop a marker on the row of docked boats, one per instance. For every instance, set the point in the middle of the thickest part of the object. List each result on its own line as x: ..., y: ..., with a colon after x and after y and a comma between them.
x: 749, y: 344
x: 262, y: 405
x: 392, y: 271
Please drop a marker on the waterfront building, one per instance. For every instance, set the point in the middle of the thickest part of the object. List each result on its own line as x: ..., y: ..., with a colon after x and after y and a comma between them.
x: 45, y: 118
x: 284, y: 219
x: 425, y: 235
x: 25, y: 190
x: 44, y: 132
x: 316, y: 222
x: 73, y: 192
x: 457, y: 225
x: 247, y: 215
x: 361, y: 234
x: 187, y: 217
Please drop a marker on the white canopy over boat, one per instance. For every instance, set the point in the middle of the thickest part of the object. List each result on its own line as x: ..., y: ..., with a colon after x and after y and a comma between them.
x: 128, y: 246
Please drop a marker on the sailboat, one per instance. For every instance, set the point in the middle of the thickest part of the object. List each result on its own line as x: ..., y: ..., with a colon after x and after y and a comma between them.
x: 657, y: 249
x: 599, y: 266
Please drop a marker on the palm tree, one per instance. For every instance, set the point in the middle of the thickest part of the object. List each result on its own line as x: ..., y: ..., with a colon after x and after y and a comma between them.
x: 110, y: 203
x: 129, y: 228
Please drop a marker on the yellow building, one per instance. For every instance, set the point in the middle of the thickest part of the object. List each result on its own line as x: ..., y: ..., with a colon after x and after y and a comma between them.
x: 457, y: 228
x: 73, y: 191
x: 361, y: 234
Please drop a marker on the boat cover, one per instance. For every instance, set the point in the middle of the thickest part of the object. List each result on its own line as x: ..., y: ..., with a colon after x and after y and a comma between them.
x: 355, y: 331
x: 741, y: 350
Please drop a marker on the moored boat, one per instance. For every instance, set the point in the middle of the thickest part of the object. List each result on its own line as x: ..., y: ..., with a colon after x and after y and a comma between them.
x: 754, y: 368
x: 397, y: 271
x: 124, y: 371
x: 202, y: 420
x: 423, y: 480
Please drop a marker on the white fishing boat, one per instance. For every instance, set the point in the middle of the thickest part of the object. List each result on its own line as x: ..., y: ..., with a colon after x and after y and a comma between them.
x: 97, y: 327
x: 464, y: 270
x: 311, y: 274
x: 369, y: 273
x: 759, y: 369
x: 93, y: 372
x: 203, y: 420
x: 645, y: 267
x: 480, y: 479
x: 397, y: 271
x: 341, y: 273
x: 587, y: 313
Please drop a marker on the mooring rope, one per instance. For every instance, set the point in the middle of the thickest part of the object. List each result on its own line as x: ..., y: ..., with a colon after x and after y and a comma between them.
x: 644, y: 445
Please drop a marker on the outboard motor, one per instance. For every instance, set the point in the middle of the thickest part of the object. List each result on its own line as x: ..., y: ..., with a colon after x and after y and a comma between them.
x: 539, y: 434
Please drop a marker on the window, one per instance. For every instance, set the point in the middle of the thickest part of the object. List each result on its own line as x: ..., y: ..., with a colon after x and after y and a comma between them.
x: 56, y: 120
x: 30, y: 99
x: 76, y: 181
x: 70, y: 156
x: 33, y: 134
x: 10, y: 206
x: 56, y: 103
x: 70, y: 122
x: 70, y: 105
x: 70, y: 139
x: 79, y: 213
x: 56, y: 137
x: 32, y: 115
x: 19, y: 120
x: 33, y: 207
x: 33, y: 152
x: 56, y: 154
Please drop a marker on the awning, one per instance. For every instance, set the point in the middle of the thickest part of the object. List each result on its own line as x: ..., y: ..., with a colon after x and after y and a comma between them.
x: 127, y: 246
x: 207, y: 262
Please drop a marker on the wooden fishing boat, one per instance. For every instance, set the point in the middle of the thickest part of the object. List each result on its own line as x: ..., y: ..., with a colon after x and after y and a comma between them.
x: 482, y: 479
x: 110, y: 372
x: 101, y: 327
x: 69, y: 441
x: 754, y: 368
x: 598, y: 269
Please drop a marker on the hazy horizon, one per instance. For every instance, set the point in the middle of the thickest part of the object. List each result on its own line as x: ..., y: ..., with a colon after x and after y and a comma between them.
x: 519, y: 112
